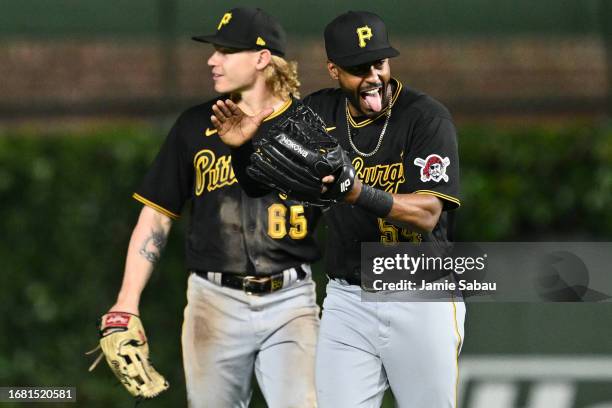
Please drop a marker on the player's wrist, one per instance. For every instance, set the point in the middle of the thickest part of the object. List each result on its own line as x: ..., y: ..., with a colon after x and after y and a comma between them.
x: 353, y: 195
x: 376, y: 201
x: 126, y: 307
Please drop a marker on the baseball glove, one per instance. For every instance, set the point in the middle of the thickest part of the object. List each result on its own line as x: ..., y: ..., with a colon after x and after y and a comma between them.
x: 124, y: 344
x: 296, y: 153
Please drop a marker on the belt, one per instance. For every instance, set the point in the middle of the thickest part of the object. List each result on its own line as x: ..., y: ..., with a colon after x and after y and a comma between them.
x: 257, y: 285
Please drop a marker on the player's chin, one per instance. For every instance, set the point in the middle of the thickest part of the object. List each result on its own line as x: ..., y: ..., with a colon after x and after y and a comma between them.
x: 219, y: 88
x: 222, y: 86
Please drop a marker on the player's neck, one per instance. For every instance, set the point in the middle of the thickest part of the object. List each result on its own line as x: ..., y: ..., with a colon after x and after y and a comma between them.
x: 257, y: 98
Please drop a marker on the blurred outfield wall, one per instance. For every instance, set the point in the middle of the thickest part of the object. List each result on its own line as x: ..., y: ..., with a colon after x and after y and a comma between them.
x: 480, y: 57
x: 118, y: 18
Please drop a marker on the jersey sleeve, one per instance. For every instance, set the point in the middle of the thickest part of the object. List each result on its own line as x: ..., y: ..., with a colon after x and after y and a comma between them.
x: 167, y: 185
x: 432, y: 161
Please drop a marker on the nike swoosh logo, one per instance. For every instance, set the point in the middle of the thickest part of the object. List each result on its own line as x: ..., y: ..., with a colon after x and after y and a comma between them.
x: 329, y: 129
x: 210, y: 132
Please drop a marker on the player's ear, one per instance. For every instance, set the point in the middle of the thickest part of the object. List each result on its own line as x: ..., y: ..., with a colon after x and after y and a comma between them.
x: 264, y: 58
x: 333, y: 70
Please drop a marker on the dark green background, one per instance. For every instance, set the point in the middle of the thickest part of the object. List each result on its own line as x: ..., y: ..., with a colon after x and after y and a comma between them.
x: 43, y: 18
x: 67, y: 216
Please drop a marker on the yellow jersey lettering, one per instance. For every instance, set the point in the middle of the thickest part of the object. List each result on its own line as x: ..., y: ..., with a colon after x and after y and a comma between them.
x: 203, y: 163
x: 387, y: 177
x: 277, y: 228
x: 299, y: 225
x: 211, y: 172
x: 277, y: 221
x: 390, y: 233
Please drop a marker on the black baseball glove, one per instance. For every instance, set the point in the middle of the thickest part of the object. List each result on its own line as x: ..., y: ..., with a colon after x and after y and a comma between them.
x: 295, y: 154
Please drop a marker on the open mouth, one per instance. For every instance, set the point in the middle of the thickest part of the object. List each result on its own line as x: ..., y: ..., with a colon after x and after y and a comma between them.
x: 372, y: 98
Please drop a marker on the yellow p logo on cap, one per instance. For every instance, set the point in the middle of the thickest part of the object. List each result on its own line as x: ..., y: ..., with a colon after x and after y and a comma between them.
x: 224, y: 20
x: 364, y: 33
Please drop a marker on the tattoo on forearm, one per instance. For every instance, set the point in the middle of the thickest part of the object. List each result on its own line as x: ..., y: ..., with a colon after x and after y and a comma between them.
x: 153, y: 245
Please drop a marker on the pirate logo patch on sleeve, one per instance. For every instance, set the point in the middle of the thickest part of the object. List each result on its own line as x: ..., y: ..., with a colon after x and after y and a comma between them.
x: 433, y: 168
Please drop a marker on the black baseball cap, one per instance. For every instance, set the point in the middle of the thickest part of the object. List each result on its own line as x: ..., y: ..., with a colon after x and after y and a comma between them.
x: 357, y: 37
x: 248, y: 28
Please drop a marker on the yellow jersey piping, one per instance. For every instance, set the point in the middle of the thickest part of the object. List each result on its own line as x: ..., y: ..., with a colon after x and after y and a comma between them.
x: 280, y: 111
x: 457, y: 350
x: 441, y: 195
x: 154, y: 206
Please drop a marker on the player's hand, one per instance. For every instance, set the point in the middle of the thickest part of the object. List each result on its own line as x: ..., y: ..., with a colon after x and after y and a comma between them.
x: 351, y: 197
x: 327, y: 180
x: 233, y: 125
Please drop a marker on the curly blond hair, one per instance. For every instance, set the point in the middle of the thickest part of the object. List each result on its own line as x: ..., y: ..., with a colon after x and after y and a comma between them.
x: 282, y: 77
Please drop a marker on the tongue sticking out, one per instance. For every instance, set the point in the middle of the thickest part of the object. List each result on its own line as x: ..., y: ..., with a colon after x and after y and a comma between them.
x: 373, y: 100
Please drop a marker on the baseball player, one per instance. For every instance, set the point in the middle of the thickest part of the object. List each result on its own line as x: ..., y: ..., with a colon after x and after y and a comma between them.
x: 251, y: 301
x: 403, y: 146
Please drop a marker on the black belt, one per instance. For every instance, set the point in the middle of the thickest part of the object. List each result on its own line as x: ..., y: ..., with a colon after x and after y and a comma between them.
x: 255, y: 285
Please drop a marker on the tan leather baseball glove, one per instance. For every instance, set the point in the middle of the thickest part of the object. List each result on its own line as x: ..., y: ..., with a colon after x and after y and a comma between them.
x: 124, y: 344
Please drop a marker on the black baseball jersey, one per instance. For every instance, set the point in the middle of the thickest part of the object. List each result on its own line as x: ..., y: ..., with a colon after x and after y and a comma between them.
x: 418, y: 154
x: 228, y: 231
